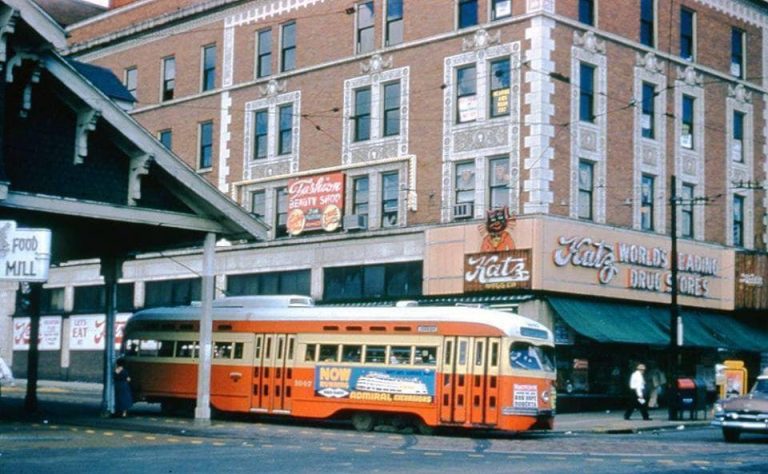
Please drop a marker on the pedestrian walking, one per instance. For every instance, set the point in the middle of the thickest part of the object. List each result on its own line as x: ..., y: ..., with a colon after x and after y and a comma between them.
x: 637, y: 399
x: 123, y: 396
x: 6, y: 376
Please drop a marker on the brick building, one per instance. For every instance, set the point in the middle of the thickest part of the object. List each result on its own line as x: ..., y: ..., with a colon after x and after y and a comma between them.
x: 381, y: 139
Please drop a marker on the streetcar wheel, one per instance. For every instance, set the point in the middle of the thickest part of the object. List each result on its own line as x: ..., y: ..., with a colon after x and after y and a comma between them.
x: 363, y: 421
x: 731, y: 435
x: 424, y: 429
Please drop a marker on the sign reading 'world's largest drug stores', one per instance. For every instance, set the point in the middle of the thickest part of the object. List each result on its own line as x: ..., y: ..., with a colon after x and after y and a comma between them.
x: 25, y: 254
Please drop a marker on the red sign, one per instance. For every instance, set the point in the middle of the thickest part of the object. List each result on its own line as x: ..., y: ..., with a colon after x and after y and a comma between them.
x: 315, y: 202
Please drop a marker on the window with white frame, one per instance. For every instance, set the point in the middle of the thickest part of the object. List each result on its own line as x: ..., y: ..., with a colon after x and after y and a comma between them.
x: 501, y: 9
x: 737, y: 142
x: 687, y: 34
x: 361, y: 197
x: 466, y: 94
x: 586, y: 188
x: 365, y: 27
x: 686, y: 210
x: 208, y: 76
x: 390, y: 199
x: 686, y: 131
x: 260, y: 134
x: 586, y: 93
x: 499, y: 87
x: 738, y: 220
x: 394, y: 23
x: 168, y: 85
x: 166, y: 138
x: 259, y: 203
x: 737, y: 53
x: 285, y: 129
x: 264, y: 53
x: 498, y: 182
x: 587, y: 12
x: 391, y: 113
x: 273, y: 127
x: 288, y: 47
x: 465, y: 183
x: 281, y: 212
x: 362, y: 117
x: 648, y: 116
x: 131, y: 80
x: 647, y: 202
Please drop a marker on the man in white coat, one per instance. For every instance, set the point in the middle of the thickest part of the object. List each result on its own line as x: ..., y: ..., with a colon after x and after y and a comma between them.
x: 637, y: 396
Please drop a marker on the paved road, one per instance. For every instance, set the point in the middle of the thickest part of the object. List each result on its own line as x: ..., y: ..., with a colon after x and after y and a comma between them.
x: 70, y: 436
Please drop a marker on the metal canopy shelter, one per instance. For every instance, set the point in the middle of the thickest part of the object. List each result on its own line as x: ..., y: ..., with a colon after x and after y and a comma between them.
x: 74, y: 162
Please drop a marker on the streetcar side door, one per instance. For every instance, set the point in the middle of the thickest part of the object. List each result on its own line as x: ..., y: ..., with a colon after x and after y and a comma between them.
x: 260, y: 391
x: 282, y: 373
x: 454, y: 388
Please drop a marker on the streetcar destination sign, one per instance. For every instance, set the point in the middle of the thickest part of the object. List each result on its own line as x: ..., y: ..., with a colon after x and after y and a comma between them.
x: 25, y: 254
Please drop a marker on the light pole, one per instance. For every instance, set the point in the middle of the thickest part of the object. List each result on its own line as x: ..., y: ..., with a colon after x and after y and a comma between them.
x: 675, y: 323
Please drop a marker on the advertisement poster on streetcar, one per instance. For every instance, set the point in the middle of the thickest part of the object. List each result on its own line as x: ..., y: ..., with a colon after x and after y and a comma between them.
x: 379, y: 384
x: 315, y: 203
x: 49, y: 336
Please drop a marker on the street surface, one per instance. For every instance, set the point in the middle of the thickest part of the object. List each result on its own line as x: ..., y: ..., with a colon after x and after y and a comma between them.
x: 149, y: 443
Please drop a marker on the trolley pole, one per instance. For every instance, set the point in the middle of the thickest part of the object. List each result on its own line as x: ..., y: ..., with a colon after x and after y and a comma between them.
x: 675, y: 323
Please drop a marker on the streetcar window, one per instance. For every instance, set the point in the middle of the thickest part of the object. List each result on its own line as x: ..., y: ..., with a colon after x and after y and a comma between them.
x: 494, y: 354
x: 222, y: 350
x: 165, y: 349
x: 523, y: 355
x: 400, y: 355
x: 148, y: 348
x: 239, y: 350
x: 257, y: 349
x: 132, y: 347
x: 425, y: 356
x: 329, y: 352
x: 479, y: 353
x: 187, y: 349
x: 289, y: 356
x: 375, y: 354
x: 268, y: 349
x: 448, y: 352
x: 462, y: 353
x: 309, y: 354
x: 280, y: 348
x: 352, y: 353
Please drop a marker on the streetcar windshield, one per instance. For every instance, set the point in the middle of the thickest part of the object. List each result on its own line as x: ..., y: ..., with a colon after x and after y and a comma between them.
x: 524, y: 355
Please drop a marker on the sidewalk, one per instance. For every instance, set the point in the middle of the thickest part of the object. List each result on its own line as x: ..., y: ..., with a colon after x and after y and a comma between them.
x: 594, y: 422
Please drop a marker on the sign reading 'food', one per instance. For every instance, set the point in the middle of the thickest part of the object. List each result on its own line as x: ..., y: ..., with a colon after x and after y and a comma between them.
x: 315, y: 202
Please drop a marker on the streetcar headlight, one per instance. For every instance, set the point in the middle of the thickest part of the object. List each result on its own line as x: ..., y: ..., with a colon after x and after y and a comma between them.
x: 545, y: 395
x: 718, y: 408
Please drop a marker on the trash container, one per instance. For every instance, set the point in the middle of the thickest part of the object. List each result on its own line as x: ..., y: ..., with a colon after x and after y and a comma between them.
x: 684, y: 398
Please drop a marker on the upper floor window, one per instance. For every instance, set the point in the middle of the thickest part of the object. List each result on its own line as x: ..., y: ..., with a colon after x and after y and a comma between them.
x: 360, y: 198
x: 499, y: 88
x: 394, y: 27
x: 209, y: 68
x: 465, y: 182
x: 166, y: 138
x: 648, y: 22
x: 281, y: 212
x: 390, y: 199
x: 169, y: 78
x: 686, y: 210
x: 391, y: 109
x: 738, y: 220
x: 646, y: 202
x: 179, y: 292
x: 264, y: 53
x: 587, y: 12
x: 687, y: 31
x: 467, y: 13
x: 648, y: 116
x: 362, y: 118
x: 501, y: 9
x: 260, y: 133
x: 132, y: 80
x: 498, y: 182
x: 737, y: 146
x: 686, y: 134
x: 466, y: 94
x: 259, y: 203
x: 586, y: 187
x: 737, y: 53
x: 586, y: 93
x: 285, y: 132
x: 205, y: 149
x: 365, y: 30
x: 288, y: 47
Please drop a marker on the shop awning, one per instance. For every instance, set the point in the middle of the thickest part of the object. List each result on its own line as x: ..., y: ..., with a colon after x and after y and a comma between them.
x: 611, y: 322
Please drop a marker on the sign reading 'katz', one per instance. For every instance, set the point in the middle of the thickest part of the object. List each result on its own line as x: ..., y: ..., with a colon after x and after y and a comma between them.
x: 497, y: 270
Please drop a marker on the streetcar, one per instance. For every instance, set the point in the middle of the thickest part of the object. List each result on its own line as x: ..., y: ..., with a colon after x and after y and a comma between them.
x: 403, y: 365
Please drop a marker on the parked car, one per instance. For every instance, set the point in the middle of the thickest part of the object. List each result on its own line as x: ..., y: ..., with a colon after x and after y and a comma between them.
x: 747, y: 413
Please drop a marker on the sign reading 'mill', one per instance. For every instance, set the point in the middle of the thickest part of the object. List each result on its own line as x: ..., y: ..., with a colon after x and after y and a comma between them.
x: 25, y: 254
